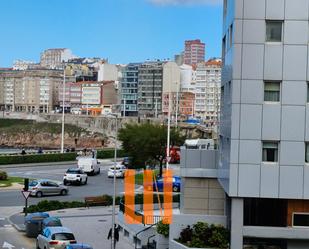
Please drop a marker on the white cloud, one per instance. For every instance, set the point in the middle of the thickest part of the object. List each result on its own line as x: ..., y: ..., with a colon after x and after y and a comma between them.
x: 186, y: 2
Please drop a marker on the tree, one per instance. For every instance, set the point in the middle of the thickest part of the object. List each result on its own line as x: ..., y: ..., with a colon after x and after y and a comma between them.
x: 144, y: 142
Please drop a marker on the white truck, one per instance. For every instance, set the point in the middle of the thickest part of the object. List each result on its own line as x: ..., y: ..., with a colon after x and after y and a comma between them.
x: 89, y: 165
x: 200, y: 144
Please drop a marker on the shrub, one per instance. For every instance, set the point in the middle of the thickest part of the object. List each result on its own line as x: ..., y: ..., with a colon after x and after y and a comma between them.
x: 203, y: 235
x: 37, y: 158
x: 3, y: 175
x: 163, y: 228
x: 44, y: 206
x: 109, y: 153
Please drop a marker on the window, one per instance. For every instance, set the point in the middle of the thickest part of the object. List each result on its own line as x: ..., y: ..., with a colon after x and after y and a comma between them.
x: 308, y: 92
x: 307, y: 153
x: 231, y: 36
x: 270, y: 152
x: 274, y: 31
x: 300, y: 220
x: 272, y: 91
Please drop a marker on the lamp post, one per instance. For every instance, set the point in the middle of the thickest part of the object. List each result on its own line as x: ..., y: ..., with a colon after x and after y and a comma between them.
x: 114, y: 193
x: 168, y: 129
x: 63, y: 102
x: 176, y: 116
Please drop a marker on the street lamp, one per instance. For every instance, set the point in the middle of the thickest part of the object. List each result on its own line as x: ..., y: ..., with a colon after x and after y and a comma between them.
x: 63, y: 101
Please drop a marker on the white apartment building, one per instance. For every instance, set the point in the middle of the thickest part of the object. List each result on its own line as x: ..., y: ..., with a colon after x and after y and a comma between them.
x: 54, y: 57
x: 207, y: 90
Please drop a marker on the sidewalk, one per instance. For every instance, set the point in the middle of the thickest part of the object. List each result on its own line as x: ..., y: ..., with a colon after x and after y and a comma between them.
x: 89, y: 225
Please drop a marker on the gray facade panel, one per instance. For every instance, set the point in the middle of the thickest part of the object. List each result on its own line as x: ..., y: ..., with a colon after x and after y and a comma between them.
x: 294, y: 92
x: 295, y: 62
x: 269, y: 180
x: 275, y: 9
x: 271, y: 122
x: 291, y: 182
x: 292, y: 153
x: 273, y: 61
x: 293, y: 122
x: 249, y: 180
x: 251, y: 122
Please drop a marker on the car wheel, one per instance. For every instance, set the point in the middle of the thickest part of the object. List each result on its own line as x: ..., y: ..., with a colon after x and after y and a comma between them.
x: 63, y: 192
x: 86, y: 181
x: 175, y: 189
x: 39, y: 194
x: 65, y: 182
x: 37, y: 245
x: 80, y: 182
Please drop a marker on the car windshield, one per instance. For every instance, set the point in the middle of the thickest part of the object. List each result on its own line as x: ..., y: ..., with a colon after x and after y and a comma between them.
x: 33, y: 183
x: 63, y: 236
x: 73, y: 171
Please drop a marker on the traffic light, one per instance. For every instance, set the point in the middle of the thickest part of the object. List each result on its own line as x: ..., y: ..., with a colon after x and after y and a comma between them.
x: 26, y: 184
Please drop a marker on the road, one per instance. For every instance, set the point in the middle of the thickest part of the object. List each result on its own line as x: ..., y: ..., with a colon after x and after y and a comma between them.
x: 97, y: 185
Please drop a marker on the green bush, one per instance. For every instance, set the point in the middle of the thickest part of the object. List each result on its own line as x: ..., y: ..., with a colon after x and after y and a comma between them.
x: 163, y: 229
x: 109, y: 153
x: 44, y: 206
x: 3, y: 175
x: 202, y: 235
x: 139, y: 198
x: 37, y: 158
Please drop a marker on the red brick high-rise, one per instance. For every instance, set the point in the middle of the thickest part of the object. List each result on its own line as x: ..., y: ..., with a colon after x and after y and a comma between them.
x: 194, y: 52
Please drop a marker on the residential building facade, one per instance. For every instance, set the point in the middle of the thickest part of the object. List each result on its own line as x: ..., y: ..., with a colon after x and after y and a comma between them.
x: 30, y: 90
x: 55, y: 57
x: 264, y: 122
x: 194, y: 52
x: 150, y: 86
x: 129, y: 90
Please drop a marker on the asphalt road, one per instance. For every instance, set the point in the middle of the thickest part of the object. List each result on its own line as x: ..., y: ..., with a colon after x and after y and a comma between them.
x: 97, y: 185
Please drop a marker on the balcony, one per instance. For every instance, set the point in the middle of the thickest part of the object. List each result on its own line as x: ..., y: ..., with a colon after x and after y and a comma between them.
x: 198, y: 163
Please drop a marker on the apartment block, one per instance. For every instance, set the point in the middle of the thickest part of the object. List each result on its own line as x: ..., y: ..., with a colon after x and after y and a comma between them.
x: 150, y: 86
x: 129, y: 89
x: 194, y: 52
x: 55, y: 57
x: 29, y: 90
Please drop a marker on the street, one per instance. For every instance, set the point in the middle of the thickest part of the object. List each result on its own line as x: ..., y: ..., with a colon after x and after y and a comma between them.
x: 97, y: 185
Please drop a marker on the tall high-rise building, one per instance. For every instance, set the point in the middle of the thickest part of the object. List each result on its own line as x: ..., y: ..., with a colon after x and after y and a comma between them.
x: 194, y: 52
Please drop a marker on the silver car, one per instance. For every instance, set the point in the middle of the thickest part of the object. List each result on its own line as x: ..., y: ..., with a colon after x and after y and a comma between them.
x: 39, y: 188
x: 55, y: 238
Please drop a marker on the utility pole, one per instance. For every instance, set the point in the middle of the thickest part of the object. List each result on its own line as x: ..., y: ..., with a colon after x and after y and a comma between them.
x: 114, y: 194
x: 168, y: 130
x: 63, y: 102
x: 176, y: 116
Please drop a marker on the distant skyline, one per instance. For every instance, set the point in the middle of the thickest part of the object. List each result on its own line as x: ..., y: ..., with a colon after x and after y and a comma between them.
x: 121, y: 30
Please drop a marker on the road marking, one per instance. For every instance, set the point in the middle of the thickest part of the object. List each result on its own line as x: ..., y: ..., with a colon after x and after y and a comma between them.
x: 7, y: 245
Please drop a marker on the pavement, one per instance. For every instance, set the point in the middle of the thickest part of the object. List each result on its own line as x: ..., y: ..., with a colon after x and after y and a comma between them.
x: 89, y: 225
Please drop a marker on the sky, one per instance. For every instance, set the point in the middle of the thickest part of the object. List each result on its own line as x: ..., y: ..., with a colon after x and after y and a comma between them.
x: 121, y: 30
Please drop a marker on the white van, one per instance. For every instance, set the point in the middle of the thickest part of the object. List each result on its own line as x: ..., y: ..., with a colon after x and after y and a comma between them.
x: 89, y: 165
x: 200, y: 144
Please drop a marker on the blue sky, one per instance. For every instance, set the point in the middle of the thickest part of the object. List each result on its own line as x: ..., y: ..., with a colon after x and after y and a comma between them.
x: 121, y: 30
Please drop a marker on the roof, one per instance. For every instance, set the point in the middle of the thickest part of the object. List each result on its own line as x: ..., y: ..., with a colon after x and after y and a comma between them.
x: 58, y: 230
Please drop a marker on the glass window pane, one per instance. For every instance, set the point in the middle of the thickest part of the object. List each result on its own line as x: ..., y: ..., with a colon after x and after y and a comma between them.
x: 307, y: 153
x: 274, y: 31
x: 272, y: 91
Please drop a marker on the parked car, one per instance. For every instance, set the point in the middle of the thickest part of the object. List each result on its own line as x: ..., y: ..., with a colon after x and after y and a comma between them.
x: 120, y: 171
x: 55, y: 238
x: 159, y: 184
x: 39, y: 188
x: 75, y: 175
x: 89, y: 165
x: 79, y: 246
